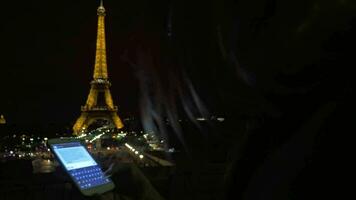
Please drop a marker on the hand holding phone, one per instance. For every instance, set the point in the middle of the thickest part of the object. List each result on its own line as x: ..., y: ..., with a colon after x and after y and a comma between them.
x: 81, y: 167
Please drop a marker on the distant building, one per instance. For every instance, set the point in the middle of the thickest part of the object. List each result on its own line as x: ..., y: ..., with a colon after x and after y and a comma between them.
x: 2, y: 119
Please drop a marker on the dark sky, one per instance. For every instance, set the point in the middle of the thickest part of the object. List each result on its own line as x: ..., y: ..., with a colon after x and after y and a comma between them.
x: 48, y: 49
x: 47, y: 54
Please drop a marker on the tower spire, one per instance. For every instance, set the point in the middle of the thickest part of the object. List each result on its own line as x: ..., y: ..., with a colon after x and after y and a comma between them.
x: 101, y: 9
x: 100, y: 69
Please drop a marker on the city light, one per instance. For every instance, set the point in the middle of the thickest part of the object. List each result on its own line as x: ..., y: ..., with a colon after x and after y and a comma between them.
x: 97, y: 137
x: 133, y: 150
x: 201, y: 119
x: 220, y: 119
x: 128, y: 146
x: 121, y: 135
x: 82, y: 135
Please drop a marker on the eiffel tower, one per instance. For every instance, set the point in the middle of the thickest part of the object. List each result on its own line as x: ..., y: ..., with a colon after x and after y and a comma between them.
x: 99, y: 106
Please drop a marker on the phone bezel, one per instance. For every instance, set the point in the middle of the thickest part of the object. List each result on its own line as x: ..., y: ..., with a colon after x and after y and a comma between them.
x: 87, y: 192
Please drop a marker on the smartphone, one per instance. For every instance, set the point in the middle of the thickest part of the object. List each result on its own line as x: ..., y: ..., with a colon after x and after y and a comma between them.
x: 81, y: 166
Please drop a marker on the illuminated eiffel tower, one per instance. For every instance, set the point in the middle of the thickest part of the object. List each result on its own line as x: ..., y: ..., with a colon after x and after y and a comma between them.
x: 99, y: 106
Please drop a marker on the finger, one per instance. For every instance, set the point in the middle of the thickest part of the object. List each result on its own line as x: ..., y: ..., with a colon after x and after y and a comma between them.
x: 109, y: 170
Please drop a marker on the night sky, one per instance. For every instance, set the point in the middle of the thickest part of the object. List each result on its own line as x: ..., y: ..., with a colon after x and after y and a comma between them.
x: 48, y: 52
x: 283, y: 49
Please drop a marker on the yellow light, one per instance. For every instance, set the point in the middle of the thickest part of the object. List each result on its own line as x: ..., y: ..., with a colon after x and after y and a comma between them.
x: 100, y: 76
